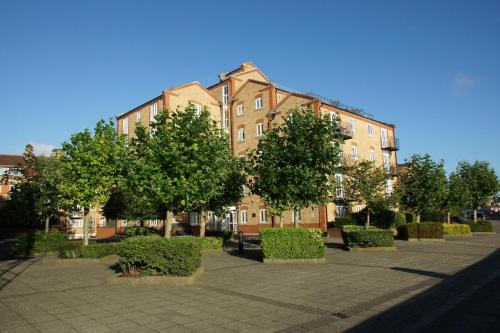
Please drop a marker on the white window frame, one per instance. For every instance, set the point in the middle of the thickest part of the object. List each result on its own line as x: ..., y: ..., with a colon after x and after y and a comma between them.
x: 355, y: 153
x: 260, y: 129
x: 76, y: 223
x: 92, y: 223
x: 153, y: 223
x: 263, y: 215
x: 225, y: 118
x: 386, y: 159
x: 225, y: 94
x: 138, y: 116
x: 241, y: 134
x: 102, y: 222
x: 370, y: 130
x: 194, y: 218
x: 125, y: 125
x: 244, y: 216
x: 293, y: 216
x: 153, y: 111
x: 388, y: 186
x: 197, y: 109
x: 334, y: 116
x: 259, y: 103
x: 373, y: 157
x: 383, y: 138
x: 352, y: 124
x: 124, y: 223
x: 240, y: 110
x: 339, y: 187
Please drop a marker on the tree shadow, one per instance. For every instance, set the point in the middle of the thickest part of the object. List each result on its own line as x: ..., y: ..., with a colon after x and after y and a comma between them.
x: 466, y: 301
x: 251, y: 248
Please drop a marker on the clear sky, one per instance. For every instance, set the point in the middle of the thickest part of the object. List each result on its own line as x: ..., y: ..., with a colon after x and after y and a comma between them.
x: 430, y: 67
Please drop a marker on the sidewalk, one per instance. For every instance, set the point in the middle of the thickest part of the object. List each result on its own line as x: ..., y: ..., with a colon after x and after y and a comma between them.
x: 423, y: 286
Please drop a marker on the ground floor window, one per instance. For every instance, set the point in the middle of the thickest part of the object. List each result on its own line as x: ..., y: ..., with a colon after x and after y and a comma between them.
x: 296, y: 215
x: 263, y: 215
x: 244, y: 216
x: 340, y: 210
x: 194, y: 218
x: 154, y: 223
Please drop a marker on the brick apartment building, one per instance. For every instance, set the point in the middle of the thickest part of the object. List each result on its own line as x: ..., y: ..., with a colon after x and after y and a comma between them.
x: 245, y: 102
x: 9, y: 176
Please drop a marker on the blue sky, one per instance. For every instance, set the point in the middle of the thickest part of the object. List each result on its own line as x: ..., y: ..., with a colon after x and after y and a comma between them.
x: 430, y: 67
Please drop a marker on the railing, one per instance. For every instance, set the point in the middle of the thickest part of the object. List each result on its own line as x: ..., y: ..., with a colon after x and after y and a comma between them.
x: 345, y: 130
x: 391, y: 143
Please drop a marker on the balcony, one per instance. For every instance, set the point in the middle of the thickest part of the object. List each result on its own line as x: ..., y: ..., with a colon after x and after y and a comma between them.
x: 345, y: 131
x: 392, y: 170
x: 391, y: 144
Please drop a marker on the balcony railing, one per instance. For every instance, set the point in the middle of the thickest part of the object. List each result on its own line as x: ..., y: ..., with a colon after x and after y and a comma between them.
x: 391, y: 143
x: 345, y: 131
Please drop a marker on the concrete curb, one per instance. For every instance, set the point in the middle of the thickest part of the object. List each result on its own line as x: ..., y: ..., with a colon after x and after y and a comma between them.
x: 458, y: 235
x: 484, y: 233
x: 294, y: 261
x: 105, y: 260
x: 373, y: 249
x: 119, y: 280
x: 426, y: 240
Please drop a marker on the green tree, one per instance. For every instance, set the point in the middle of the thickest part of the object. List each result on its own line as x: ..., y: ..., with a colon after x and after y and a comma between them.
x: 92, y: 166
x: 365, y: 183
x: 481, y: 182
x: 423, y: 186
x: 457, y: 195
x: 184, y: 163
x: 295, y: 163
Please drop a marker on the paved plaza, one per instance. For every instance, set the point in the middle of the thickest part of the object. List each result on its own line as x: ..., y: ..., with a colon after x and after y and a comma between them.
x: 424, y: 286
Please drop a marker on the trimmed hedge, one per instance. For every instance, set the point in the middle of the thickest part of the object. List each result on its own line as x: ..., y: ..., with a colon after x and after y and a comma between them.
x: 426, y: 229
x: 358, y: 236
x: 151, y: 255
x: 410, y: 217
x: 38, y: 242
x: 73, y: 250
x: 139, y: 231
x: 456, y: 229
x: 291, y: 243
x: 480, y: 226
x: 212, y: 243
x: 399, y: 219
x: 340, y: 221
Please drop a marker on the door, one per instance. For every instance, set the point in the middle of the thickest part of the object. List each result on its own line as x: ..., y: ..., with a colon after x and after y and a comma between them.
x: 383, y: 137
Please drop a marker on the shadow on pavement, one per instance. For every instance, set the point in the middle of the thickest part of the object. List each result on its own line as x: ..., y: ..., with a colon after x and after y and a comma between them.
x: 467, y: 301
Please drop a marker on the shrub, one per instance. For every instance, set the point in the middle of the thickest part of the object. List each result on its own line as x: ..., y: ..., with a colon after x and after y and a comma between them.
x: 456, y: 229
x: 340, y: 221
x: 358, y: 236
x: 399, y: 219
x: 480, y: 226
x: 150, y: 255
x: 410, y: 217
x: 72, y: 250
x: 434, y: 215
x: 425, y: 229
x: 38, y: 242
x: 291, y: 243
x: 139, y: 231
x: 212, y: 243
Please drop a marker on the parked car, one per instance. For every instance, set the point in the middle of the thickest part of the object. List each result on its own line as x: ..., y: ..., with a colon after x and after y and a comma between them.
x: 469, y: 216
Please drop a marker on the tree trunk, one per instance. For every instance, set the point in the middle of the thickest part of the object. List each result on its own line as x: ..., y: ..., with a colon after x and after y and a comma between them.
x: 418, y: 218
x: 449, y: 217
x: 281, y: 220
x: 203, y: 223
x: 167, y: 224
x: 85, y: 227
x: 296, y: 218
x: 367, y: 224
x: 475, y: 215
x: 47, y: 221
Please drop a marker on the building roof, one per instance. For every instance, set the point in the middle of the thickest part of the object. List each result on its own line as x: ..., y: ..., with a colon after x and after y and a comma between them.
x: 11, y: 160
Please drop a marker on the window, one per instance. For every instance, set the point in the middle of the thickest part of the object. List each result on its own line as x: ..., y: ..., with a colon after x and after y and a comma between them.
x: 296, y: 214
x: 370, y: 129
x: 102, y: 222
x: 225, y: 117
x: 352, y: 124
x: 241, y: 134
x: 194, y: 218
x: 92, y: 208
x: 388, y: 186
x: 354, y: 150
x: 239, y: 110
x: 154, y: 223
x: 3, y: 171
x: 197, y: 109
x: 125, y: 126
x: 372, y: 155
x: 385, y: 158
x: 339, y: 191
x: 138, y: 116
x: 259, y: 103
x: 125, y: 223
x: 334, y: 116
x: 225, y: 94
x: 262, y: 215
x: 92, y: 223
x: 340, y: 210
x: 154, y: 111
x: 244, y: 216
x: 76, y: 223
x: 260, y: 129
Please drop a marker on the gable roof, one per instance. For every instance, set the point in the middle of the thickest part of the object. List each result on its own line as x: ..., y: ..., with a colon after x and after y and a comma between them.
x: 11, y: 160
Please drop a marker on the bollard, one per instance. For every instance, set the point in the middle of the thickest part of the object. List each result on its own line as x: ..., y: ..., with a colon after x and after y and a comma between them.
x: 240, y: 242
